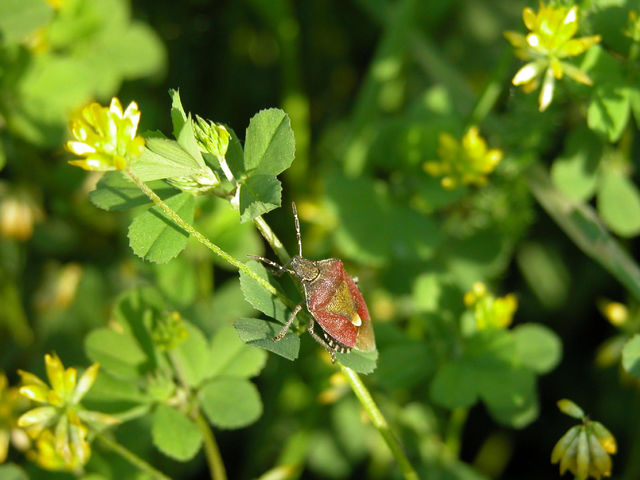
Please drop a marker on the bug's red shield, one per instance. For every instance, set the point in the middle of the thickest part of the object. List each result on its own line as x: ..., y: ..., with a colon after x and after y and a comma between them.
x: 336, y: 303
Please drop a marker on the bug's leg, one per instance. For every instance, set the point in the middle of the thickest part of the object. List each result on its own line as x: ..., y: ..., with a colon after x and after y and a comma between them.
x: 318, y: 339
x: 279, y: 268
x: 287, y: 325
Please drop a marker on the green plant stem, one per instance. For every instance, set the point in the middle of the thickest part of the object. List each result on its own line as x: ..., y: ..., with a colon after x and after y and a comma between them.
x: 582, y: 225
x: 454, y: 430
x: 217, y: 470
x: 211, y: 450
x: 199, y: 236
x: 272, y: 239
x: 380, y: 423
x: 492, y: 89
x: 130, y: 457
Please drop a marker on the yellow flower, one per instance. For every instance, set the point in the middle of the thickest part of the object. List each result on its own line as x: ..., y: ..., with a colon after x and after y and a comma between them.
x: 585, y: 449
x: 106, y: 136
x: 11, y: 405
x: 20, y: 210
x: 616, y: 312
x: 47, y: 456
x: 489, y: 311
x: 61, y: 413
x: 549, y: 41
x: 466, y: 162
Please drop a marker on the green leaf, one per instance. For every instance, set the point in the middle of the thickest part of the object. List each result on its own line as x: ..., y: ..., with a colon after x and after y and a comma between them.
x: 119, y: 354
x: 631, y: 356
x: 488, y: 369
x: 20, y: 18
x: 426, y: 292
x: 178, y: 115
x: 609, y: 108
x: 174, y: 434
x: 361, y: 362
x: 375, y: 230
x: 51, y: 87
x: 269, y: 146
x: 108, y: 388
x: 134, y: 314
x: 157, y: 238
x: 516, y: 404
x: 235, y: 154
x: 259, y: 194
x: 608, y: 111
x: 183, y: 129
x: 454, y: 386
x: 349, y: 427
x: 327, y: 458
x: 220, y: 222
x: 574, y: 172
x: 231, y: 357
x: 194, y: 356
x: 137, y: 51
x: 539, y: 348
x: 405, y: 365
x: 164, y: 158
x: 258, y: 297
x: 178, y: 280
x: 116, y: 191
x: 619, y: 203
x: 546, y: 273
x: 10, y: 471
x: 260, y: 333
x: 230, y: 402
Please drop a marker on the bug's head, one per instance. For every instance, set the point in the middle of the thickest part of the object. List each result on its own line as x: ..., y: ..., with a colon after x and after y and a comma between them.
x: 303, y: 268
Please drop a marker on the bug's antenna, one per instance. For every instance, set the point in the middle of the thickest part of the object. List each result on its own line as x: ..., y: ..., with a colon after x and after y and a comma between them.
x: 295, y: 218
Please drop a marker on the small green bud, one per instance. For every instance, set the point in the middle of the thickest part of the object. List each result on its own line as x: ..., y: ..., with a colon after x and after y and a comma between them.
x: 584, y: 450
x: 211, y: 137
x: 203, y: 181
x: 568, y: 407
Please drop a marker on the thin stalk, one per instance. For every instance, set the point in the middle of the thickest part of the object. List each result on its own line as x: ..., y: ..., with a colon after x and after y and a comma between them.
x: 199, y: 236
x: 380, y: 423
x: 453, y: 438
x: 211, y: 450
x: 217, y: 470
x: 492, y: 89
x: 582, y: 225
x: 130, y: 457
x: 272, y: 239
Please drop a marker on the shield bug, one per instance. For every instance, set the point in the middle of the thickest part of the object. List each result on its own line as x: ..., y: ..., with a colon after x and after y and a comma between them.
x: 333, y: 300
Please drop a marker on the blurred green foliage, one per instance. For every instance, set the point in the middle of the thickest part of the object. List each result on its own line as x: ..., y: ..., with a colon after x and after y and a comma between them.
x: 90, y: 269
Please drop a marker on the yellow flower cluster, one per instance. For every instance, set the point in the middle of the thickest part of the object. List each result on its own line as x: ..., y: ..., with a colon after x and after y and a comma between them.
x: 549, y: 41
x: 58, y: 425
x: 489, y: 311
x: 585, y: 449
x: 106, y: 136
x: 466, y: 162
x: 11, y: 405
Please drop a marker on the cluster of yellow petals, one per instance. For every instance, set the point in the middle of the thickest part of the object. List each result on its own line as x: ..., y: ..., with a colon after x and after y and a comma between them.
x: 58, y: 424
x: 489, y: 311
x: 465, y: 162
x: 549, y: 41
x: 106, y: 136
